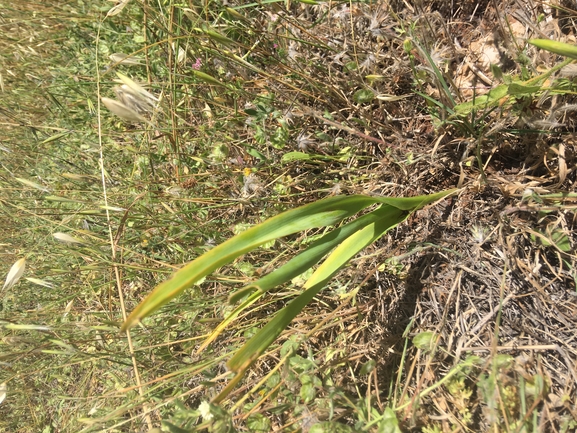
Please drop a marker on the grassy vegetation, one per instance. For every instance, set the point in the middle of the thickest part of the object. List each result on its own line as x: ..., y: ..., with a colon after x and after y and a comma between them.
x: 135, y: 138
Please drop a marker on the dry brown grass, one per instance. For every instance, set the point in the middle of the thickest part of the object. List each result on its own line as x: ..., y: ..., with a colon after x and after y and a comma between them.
x: 473, y: 270
x: 491, y: 272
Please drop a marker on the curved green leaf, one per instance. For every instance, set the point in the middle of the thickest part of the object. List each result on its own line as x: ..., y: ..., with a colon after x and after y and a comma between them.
x: 318, y: 214
x: 294, y: 267
x: 561, y: 48
x: 389, y: 217
x: 414, y: 203
x: 306, y: 259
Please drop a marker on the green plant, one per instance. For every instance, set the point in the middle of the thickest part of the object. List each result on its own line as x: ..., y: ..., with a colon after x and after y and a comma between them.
x: 255, y: 108
x: 479, y: 117
x: 260, y: 118
x: 346, y: 241
x: 556, y: 47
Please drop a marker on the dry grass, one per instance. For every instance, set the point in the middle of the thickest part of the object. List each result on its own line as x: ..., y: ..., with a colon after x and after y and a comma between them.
x: 490, y: 272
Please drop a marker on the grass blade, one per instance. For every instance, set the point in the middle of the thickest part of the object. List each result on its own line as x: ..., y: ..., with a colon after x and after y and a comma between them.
x: 561, y: 48
x: 303, y: 261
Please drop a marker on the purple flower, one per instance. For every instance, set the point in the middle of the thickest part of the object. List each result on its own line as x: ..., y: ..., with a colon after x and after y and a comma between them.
x: 197, y: 65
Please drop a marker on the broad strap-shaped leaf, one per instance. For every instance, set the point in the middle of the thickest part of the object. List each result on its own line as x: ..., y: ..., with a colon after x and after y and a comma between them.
x: 306, y: 259
x: 322, y: 213
x: 415, y: 203
x: 309, y: 257
x: 294, y: 267
x: 561, y: 48
x: 389, y: 217
x: 391, y: 213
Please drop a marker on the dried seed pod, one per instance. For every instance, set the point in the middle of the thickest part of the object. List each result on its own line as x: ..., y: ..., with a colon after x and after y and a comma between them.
x: 122, y: 110
x: 134, y: 101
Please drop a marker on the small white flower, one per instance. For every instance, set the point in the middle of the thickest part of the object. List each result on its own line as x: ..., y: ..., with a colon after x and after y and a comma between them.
x: 204, y: 409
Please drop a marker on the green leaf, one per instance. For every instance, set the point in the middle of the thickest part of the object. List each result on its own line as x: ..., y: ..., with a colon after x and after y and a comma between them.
x: 256, y: 154
x: 552, y: 237
x: 389, y: 422
x: 520, y: 89
x: 484, y: 101
x: 439, y: 75
x: 363, y: 96
x: 306, y: 259
x: 206, y: 78
x: 301, y: 365
x: 389, y: 217
x: 295, y: 156
x: 318, y: 214
x: 345, y: 242
x: 258, y: 423
x: 219, y: 38
x: 425, y: 340
x: 368, y: 366
x: 289, y: 346
x: 503, y: 360
x: 393, y: 211
x: 556, y: 47
x: 309, y: 386
x: 293, y: 268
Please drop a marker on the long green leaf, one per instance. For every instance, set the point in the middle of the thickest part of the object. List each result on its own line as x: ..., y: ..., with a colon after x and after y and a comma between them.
x: 438, y: 74
x: 567, y: 50
x: 312, y: 255
x: 414, y: 203
x: 294, y: 267
x: 306, y: 259
x: 391, y: 213
x: 389, y: 217
x: 318, y: 214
